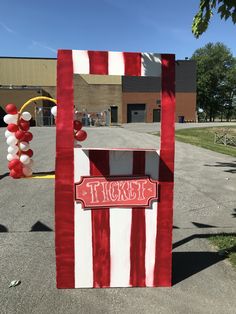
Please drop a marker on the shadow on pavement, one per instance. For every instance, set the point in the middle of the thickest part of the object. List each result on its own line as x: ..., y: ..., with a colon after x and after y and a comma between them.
x: 231, y: 165
x: 3, y: 228
x: 4, y: 175
x: 187, y: 264
x: 200, y: 225
x: 39, y: 226
x: 198, y: 236
x: 44, y: 172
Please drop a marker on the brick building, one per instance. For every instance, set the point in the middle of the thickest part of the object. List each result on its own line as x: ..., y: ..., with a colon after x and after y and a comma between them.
x: 126, y: 99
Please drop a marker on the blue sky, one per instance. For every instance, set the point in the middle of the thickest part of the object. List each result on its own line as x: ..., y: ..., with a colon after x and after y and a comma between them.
x: 39, y: 28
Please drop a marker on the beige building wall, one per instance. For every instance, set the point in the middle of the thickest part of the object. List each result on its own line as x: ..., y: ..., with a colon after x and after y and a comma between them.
x: 19, y: 97
x: 97, y: 97
x: 51, y: 90
x: 27, y: 71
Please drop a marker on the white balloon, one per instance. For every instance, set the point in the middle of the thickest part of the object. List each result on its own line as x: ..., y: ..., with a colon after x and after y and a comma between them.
x: 10, y: 118
x: 8, y: 133
x: 24, y: 146
x: 10, y: 157
x: 54, y: 111
x: 24, y: 159
x: 26, y: 116
x: 27, y: 171
x: 12, y: 149
x: 11, y: 140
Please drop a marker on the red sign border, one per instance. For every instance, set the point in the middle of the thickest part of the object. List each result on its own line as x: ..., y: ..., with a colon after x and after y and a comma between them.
x: 124, y: 177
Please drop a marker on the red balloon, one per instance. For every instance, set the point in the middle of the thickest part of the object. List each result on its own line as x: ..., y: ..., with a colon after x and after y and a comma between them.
x: 24, y: 125
x: 77, y: 125
x: 28, y: 136
x: 11, y: 109
x: 12, y: 127
x: 16, y: 173
x: 29, y: 153
x: 20, y: 134
x: 15, y: 164
x: 81, y: 135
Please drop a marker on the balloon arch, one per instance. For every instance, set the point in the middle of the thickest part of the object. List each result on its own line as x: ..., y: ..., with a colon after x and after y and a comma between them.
x: 18, y: 136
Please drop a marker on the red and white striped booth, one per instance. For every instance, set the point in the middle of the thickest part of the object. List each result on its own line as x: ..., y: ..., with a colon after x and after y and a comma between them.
x: 113, y: 207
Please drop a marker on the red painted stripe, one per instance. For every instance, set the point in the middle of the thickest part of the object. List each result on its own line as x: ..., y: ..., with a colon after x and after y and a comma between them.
x: 98, y: 61
x: 99, y: 165
x: 64, y: 183
x: 138, y: 231
x: 132, y: 62
x: 163, y: 263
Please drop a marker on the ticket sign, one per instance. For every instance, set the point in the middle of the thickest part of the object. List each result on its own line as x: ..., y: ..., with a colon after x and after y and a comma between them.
x: 116, y: 191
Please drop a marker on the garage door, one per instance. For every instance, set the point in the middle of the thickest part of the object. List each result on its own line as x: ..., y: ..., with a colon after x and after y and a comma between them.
x: 136, y: 113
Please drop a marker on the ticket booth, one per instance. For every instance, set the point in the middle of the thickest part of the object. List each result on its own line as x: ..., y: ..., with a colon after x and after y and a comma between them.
x: 113, y: 207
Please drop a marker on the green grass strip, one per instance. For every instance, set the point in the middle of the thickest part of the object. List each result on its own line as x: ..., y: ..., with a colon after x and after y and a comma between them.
x: 204, y: 137
x: 226, y: 244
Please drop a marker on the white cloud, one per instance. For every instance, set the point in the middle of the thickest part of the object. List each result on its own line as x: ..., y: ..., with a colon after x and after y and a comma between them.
x: 6, y: 28
x: 44, y: 46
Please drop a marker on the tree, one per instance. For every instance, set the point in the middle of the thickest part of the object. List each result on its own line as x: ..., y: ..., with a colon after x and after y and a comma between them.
x: 226, y: 9
x: 216, y: 79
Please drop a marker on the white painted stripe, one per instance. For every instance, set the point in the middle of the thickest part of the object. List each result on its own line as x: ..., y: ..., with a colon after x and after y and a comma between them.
x: 116, y: 64
x: 152, y: 169
x: 151, y: 64
x: 121, y: 163
x: 80, y: 62
x: 82, y: 228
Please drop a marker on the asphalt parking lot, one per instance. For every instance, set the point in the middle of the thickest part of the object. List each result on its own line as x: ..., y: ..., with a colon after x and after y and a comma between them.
x: 205, y: 203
